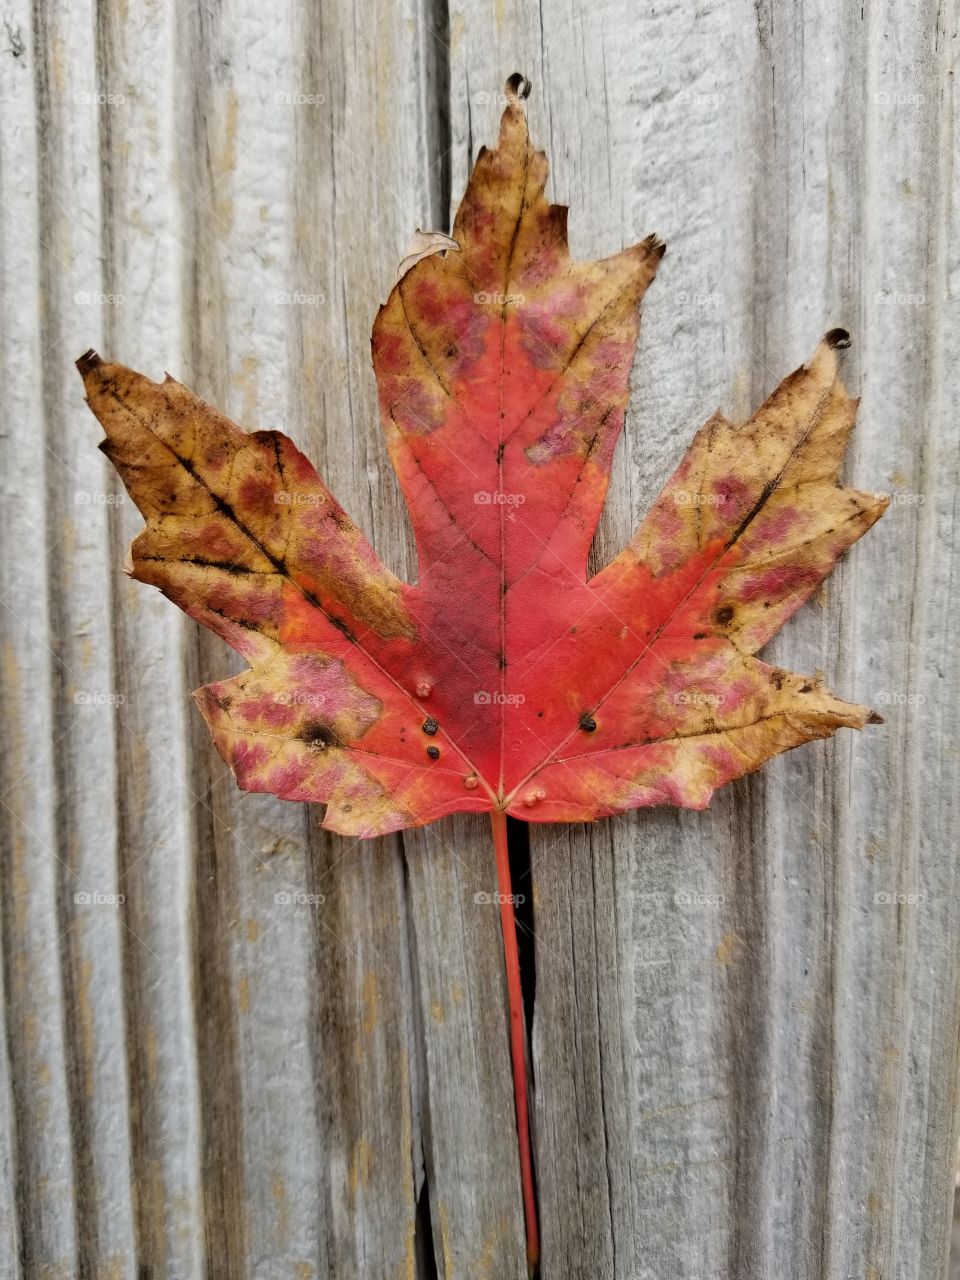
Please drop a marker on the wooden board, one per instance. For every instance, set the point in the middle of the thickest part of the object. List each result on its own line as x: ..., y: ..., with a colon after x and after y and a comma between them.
x: 236, y: 1046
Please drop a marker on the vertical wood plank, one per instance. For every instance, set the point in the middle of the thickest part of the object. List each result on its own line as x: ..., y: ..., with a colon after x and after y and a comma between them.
x: 34, y: 914
x: 138, y: 59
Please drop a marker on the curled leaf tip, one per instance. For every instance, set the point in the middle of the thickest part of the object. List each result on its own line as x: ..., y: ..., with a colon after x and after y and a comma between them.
x: 839, y: 339
x: 88, y: 362
x: 517, y: 88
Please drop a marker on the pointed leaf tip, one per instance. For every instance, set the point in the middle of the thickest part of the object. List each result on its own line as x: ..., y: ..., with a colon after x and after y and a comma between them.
x: 518, y: 87
x: 839, y: 339
x: 88, y: 362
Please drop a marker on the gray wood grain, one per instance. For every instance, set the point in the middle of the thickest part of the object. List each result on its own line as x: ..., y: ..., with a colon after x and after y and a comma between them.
x: 284, y: 1053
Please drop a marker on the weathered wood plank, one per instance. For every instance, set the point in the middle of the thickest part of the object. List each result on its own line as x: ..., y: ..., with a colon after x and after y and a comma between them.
x: 38, y: 1126
x: 78, y: 492
x: 139, y: 56
x: 470, y: 1127
x: 286, y: 1054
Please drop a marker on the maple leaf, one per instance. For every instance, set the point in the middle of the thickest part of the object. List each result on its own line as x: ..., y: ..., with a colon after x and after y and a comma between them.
x: 504, y: 679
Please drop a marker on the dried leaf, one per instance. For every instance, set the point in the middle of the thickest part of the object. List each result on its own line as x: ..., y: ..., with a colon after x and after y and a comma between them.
x: 504, y: 679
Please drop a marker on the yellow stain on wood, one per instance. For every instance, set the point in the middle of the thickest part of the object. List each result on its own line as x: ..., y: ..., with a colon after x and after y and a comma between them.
x: 874, y: 848
x: 385, y: 80
x: 731, y: 945
x: 246, y: 383
x: 458, y: 26
x: 279, y: 1192
x: 370, y: 998
x: 676, y: 1107
x: 68, y: 540
x: 484, y: 1267
x: 448, y: 1270
x: 406, y: 1146
x: 436, y: 1011
x: 223, y: 198
x: 243, y: 995
x: 457, y: 993
x: 253, y: 931
x: 304, y: 1270
x: 115, y: 1267
x: 150, y: 1053
x: 358, y: 1175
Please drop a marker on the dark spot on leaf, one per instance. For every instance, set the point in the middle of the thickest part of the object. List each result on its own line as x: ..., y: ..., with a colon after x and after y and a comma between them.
x: 699, y: 635
x: 343, y: 628
x: 500, y: 448
x: 806, y: 688
x: 430, y: 725
x: 539, y: 715
x: 319, y: 735
x: 224, y: 702
x: 573, y: 631
x: 776, y: 679
x: 433, y: 753
x: 587, y: 722
x: 724, y: 615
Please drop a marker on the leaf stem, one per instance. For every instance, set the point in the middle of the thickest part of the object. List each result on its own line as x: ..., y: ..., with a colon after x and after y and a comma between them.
x: 511, y: 958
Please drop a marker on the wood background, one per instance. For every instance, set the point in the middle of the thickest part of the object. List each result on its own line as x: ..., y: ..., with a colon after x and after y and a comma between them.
x: 745, y: 1059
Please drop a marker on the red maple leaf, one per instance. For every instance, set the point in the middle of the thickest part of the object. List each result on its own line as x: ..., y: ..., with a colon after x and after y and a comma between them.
x: 505, y: 680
